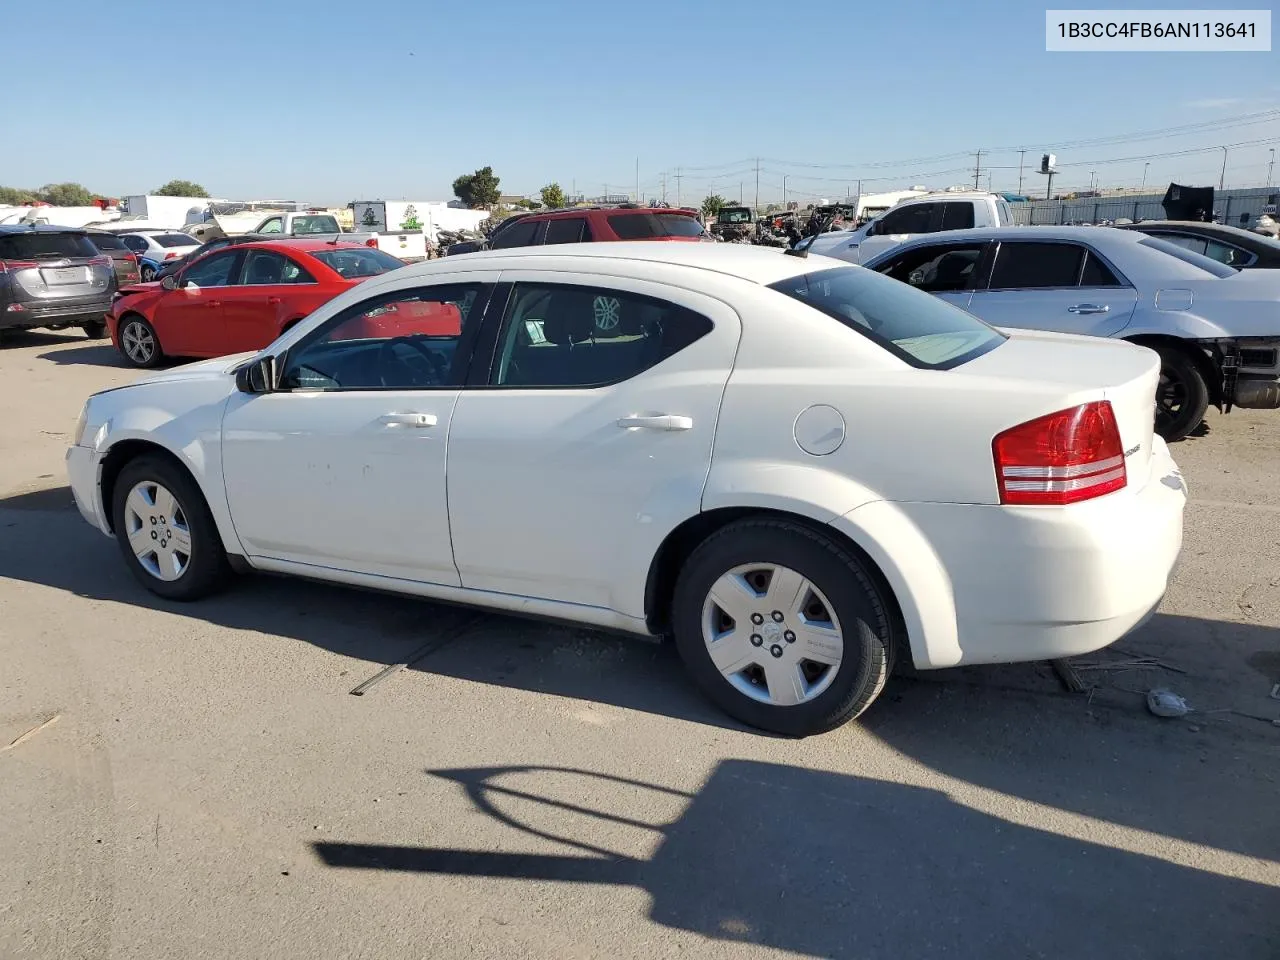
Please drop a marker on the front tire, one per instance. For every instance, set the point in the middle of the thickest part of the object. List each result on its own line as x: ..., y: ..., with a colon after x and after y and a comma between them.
x: 1182, y: 396
x: 139, y: 344
x: 781, y: 627
x: 95, y: 330
x: 165, y: 530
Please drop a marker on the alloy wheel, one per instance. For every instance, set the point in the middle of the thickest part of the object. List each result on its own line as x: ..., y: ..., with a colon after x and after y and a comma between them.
x: 138, y: 342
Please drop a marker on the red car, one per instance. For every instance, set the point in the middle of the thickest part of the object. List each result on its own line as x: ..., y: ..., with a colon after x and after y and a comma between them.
x: 236, y: 299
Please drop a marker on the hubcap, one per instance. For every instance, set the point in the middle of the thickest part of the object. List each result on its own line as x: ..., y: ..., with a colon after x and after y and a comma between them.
x: 157, y: 530
x: 138, y: 342
x: 772, y: 634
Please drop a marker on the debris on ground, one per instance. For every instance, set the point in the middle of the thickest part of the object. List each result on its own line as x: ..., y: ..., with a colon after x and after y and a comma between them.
x: 1166, y: 703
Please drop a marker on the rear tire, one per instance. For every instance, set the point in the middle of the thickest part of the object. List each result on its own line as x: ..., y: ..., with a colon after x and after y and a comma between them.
x: 95, y: 330
x: 139, y: 344
x: 1182, y: 396
x: 836, y: 607
x: 188, y: 561
x: 147, y: 272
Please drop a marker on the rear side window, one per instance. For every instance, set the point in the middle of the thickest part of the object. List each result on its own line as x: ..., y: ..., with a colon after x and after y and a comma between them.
x: 914, y: 326
x: 678, y: 225
x: 649, y: 226
x: 957, y: 216
x: 352, y: 263
x: 1219, y: 270
x: 516, y: 235
x: 1022, y: 266
x: 1097, y: 274
x: 302, y: 226
x: 135, y: 243
x: 565, y: 230
x: 174, y: 239
x: 46, y: 246
x: 107, y: 241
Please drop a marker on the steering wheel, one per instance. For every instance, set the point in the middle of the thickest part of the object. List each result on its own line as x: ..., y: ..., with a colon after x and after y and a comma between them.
x: 439, y: 372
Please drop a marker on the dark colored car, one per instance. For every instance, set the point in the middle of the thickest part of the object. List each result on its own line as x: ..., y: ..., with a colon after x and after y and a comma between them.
x: 595, y: 224
x: 734, y: 223
x: 124, y: 260
x: 53, y: 277
x: 1237, y: 248
x: 176, y: 264
x: 471, y: 246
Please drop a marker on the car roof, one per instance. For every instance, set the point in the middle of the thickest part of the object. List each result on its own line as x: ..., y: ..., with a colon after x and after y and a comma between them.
x: 1081, y: 234
x: 583, y: 211
x: 305, y: 244
x: 1193, y: 226
x: 763, y: 265
x: 11, y: 229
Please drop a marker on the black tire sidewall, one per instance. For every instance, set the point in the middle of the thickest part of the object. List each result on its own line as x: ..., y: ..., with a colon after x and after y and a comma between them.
x: 844, y: 581
x: 96, y: 330
x: 156, y: 355
x: 208, y: 563
x: 1178, y: 365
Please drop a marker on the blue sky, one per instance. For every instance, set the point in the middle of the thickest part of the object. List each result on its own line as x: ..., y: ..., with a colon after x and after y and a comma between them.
x: 331, y: 102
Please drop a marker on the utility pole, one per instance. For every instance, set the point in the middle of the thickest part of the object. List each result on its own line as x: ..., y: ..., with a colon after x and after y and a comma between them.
x: 664, y: 186
x: 1223, y: 175
x: 1270, y: 165
x: 989, y: 188
x: 637, y: 179
x: 1144, y: 174
x: 977, y: 169
x: 1021, y: 155
x: 677, y: 186
x: 784, y: 190
x: 757, y: 207
x: 1093, y: 174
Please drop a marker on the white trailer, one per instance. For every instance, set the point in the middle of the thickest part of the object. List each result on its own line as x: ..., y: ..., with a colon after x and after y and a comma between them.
x: 172, y: 212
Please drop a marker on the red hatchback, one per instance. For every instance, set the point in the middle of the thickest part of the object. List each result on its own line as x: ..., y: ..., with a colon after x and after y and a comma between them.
x: 236, y: 299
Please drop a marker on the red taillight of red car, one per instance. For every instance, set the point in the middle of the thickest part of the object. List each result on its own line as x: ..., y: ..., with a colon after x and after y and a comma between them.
x: 1062, y: 458
x: 372, y: 242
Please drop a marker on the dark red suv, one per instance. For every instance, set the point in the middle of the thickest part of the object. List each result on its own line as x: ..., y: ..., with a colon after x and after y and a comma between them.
x: 597, y: 224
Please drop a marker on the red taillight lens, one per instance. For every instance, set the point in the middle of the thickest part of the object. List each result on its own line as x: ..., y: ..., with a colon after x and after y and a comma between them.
x: 132, y: 258
x: 102, y: 261
x: 1066, y: 457
x: 170, y: 256
x: 372, y: 242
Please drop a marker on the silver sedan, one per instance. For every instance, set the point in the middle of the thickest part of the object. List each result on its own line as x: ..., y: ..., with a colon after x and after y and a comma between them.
x: 1216, y: 329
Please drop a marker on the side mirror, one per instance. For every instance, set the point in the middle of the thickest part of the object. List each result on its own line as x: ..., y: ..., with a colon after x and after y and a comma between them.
x: 169, y: 282
x: 257, y: 376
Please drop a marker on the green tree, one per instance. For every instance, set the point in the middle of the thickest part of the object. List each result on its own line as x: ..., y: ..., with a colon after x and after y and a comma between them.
x: 712, y: 204
x: 181, y: 188
x: 65, y: 195
x: 553, y: 196
x: 479, y: 189
x: 16, y: 196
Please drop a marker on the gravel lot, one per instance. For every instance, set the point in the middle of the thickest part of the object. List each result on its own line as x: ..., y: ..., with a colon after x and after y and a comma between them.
x: 209, y: 788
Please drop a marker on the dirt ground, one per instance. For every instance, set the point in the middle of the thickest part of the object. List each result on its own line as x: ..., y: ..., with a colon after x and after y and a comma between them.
x: 196, y: 781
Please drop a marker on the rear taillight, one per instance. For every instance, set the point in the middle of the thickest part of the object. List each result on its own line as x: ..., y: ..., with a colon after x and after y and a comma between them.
x: 170, y: 256
x: 7, y: 265
x: 132, y: 258
x: 102, y: 261
x: 1065, y: 457
x: 372, y: 242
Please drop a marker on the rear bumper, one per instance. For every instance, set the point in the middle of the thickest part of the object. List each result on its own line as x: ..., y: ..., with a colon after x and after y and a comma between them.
x: 1038, y: 583
x: 36, y: 314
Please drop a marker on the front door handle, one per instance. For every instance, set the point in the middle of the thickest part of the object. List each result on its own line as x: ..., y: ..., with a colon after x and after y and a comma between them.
x: 420, y: 420
x: 273, y: 299
x: 1089, y: 308
x: 660, y: 422
x: 210, y: 304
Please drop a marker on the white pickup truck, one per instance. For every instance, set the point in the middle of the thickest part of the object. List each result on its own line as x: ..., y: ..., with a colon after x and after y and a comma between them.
x: 408, y: 245
x: 931, y: 213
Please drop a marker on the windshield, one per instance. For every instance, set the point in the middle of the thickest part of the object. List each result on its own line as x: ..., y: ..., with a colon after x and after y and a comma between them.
x: 174, y: 239
x: 734, y: 215
x: 355, y: 262
x: 1206, y: 264
x: 303, y: 226
x: 913, y: 325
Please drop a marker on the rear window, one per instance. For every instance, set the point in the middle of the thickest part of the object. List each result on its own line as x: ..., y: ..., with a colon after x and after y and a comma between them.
x: 648, y: 226
x: 175, y: 239
x: 356, y: 262
x: 302, y: 226
x: 913, y: 325
x: 734, y: 215
x: 1219, y: 270
x: 46, y: 246
x: 107, y: 241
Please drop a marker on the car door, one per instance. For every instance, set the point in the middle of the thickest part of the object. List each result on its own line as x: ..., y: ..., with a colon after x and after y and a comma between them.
x: 272, y: 285
x: 588, y: 437
x: 343, y: 466
x: 950, y: 271
x: 189, y: 320
x: 1061, y: 286
x: 897, y: 226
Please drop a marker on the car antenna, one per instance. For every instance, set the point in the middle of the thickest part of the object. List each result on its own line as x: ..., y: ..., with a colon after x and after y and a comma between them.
x: 801, y: 249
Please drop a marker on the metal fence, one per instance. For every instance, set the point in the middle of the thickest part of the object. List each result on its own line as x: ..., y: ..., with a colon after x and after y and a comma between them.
x: 1240, y: 208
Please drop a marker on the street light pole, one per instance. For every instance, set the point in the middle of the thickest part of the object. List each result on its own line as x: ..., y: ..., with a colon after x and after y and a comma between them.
x: 1222, y: 177
x: 1270, y: 164
x: 1144, y: 173
x: 784, y: 190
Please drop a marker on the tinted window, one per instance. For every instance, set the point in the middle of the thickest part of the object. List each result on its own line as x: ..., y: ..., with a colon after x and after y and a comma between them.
x: 919, y: 328
x: 211, y: 271
x: 406, y: 340
x: 1096, y: 273
x: 319, y: 224
x: 107, y: 241
x: 136, y: 244
x: 46, y: 246
x: 568, y: 336
x: 355, y: 262
x: 517, y: 235
x: 567, y: 230
x: 265, y: 267
x: 1004, y: 212
x: 1194, y: 244
x: 678, y: 225
x: 1213, y: 267
x: 1021, y: 266
x: 174, y: 239
x: 957, y: 216
x: 917, y: 218
x: 1226, y: 253
x: 937, y: 268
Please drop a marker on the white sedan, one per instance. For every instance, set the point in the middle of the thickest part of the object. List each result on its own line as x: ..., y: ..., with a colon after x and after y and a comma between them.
x: 798, y: 468
x: 154, y: 247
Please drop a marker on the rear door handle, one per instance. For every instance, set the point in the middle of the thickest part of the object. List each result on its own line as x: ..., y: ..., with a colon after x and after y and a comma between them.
x: 213, y: 303
x: 660, y: 422
x: 273, y: 299
x: 1089, y: 308
x: 419, y: 420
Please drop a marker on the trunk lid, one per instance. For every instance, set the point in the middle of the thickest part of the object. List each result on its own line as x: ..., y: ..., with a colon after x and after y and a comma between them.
x: 1084, y: 369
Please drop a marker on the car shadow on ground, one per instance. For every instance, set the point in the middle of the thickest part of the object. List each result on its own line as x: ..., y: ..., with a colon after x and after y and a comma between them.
x: 1009, y: 729
x: 96, y: 353
x: 832, y: 865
